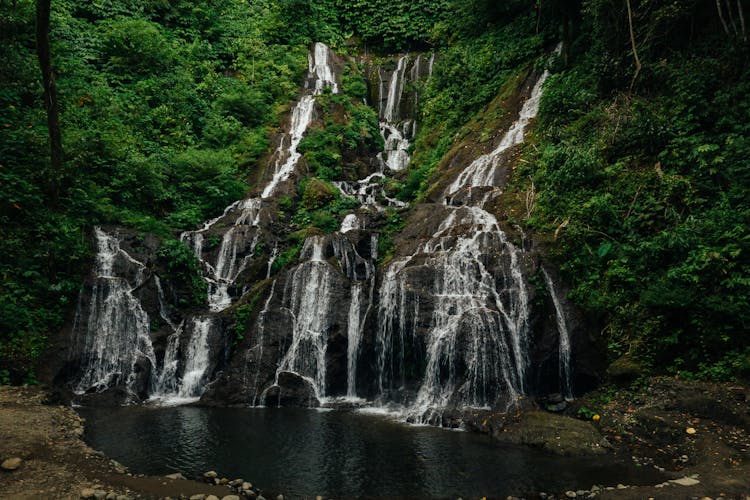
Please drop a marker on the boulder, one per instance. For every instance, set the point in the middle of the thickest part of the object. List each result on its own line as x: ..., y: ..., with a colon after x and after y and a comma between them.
x: 554, y: 433
x: 292, y: 390
x: 624, y: 371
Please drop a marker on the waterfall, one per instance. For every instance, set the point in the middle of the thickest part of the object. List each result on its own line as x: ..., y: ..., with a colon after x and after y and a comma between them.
x: 196, y: 359
x: 258, y: 347
x: 321, y: 72
x: 114, y: 336
x: 354, y: 337
x: 483, y: 170
x: 564, y: 339
x: 397, y: 132
x: 113, y: 331
x: 308, y: 294
x: 476, y: 341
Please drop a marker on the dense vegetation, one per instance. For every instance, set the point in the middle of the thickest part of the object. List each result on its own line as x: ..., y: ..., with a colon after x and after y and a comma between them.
x: 652, y: 185
x: 641, y: 179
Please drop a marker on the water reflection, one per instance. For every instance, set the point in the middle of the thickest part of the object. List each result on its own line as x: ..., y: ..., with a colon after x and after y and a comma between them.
x: 339, y: 454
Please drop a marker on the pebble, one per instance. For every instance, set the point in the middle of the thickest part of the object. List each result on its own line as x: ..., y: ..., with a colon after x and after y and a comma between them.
x: 212, y: 497
x: 111, y: 496
x: 621, y: 487
x: 279, y: 497
x: 210, y: 474
x: 580, y: 493
x: 176, y: 475
x: 247, y: 486
x: 11, y: 463
x: 571, y: 494
x: 230, y: 497
x: 236, y: 483
x: 100, y: 494
x: 87, y: 493
x: 685, y: 481
x: 199, y: 496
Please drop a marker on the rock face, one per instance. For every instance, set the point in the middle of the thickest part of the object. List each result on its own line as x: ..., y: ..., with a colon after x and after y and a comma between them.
x: 462, y: 312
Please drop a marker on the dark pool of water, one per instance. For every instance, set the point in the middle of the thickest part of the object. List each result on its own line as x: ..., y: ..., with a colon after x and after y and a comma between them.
x: 303, y: 453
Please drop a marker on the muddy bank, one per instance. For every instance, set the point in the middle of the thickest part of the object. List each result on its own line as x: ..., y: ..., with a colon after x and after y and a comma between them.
x: 696, y: 434
x: 56, y: 463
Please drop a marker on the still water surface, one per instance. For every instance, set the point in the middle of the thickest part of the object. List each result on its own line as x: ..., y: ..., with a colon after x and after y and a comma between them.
x: 304, y: 453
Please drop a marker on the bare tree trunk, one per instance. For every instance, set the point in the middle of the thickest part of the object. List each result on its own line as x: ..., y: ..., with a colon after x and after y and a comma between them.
x: 632, y: 43
x: 50, y: 93
x: 742, y: 21
x: 721, y: 17
x: 731, y: 17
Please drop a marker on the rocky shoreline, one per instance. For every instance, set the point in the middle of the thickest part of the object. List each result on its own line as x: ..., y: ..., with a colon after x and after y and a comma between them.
x: 693, y: 436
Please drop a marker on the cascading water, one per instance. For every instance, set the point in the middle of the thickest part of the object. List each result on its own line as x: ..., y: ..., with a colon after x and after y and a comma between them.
x: 396, y: 133
x: 321, y: 73
x: 483, y: 170
x: 307, y: 295
x: 397, y: 130
x: 476, y: 343
x: 564, y: 339
x: 114, y: 336
x: 239, y: 242
x: 257, y: 351
x: 451, y: 318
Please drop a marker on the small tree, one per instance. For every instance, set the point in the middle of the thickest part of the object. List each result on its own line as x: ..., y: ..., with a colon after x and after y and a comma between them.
x: 50, y: 93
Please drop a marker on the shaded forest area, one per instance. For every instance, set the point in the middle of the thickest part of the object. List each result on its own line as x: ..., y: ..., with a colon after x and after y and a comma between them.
x: 637, y: 175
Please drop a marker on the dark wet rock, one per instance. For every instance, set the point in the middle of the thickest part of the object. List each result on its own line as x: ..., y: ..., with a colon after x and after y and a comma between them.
x: 292, y: 390
x: 554, y: 433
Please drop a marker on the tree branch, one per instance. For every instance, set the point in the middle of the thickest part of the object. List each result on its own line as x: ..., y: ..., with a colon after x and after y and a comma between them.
x: 632, y: 43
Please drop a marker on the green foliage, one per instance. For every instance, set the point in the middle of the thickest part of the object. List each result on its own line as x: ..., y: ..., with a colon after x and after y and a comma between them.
x: 392, y: 25
x: 184, y: 269
x: 652, y: 188
x: 585, y: 413
x: 286, y: 258
x: 468, y: 75
x: 393, y: 224
x: 134, y: 46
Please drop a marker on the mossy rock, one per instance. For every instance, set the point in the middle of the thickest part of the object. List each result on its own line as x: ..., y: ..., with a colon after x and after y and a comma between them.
x: 556, y: 434
x: 317, y: 194
x: 624, y: 371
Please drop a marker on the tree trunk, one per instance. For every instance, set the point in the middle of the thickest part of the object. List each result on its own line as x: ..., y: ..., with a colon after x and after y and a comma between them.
x: 50, y: 94
x: 632, y: 43
x: 721, y: 17
x: 742, y: 21
x: 731, y: 17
